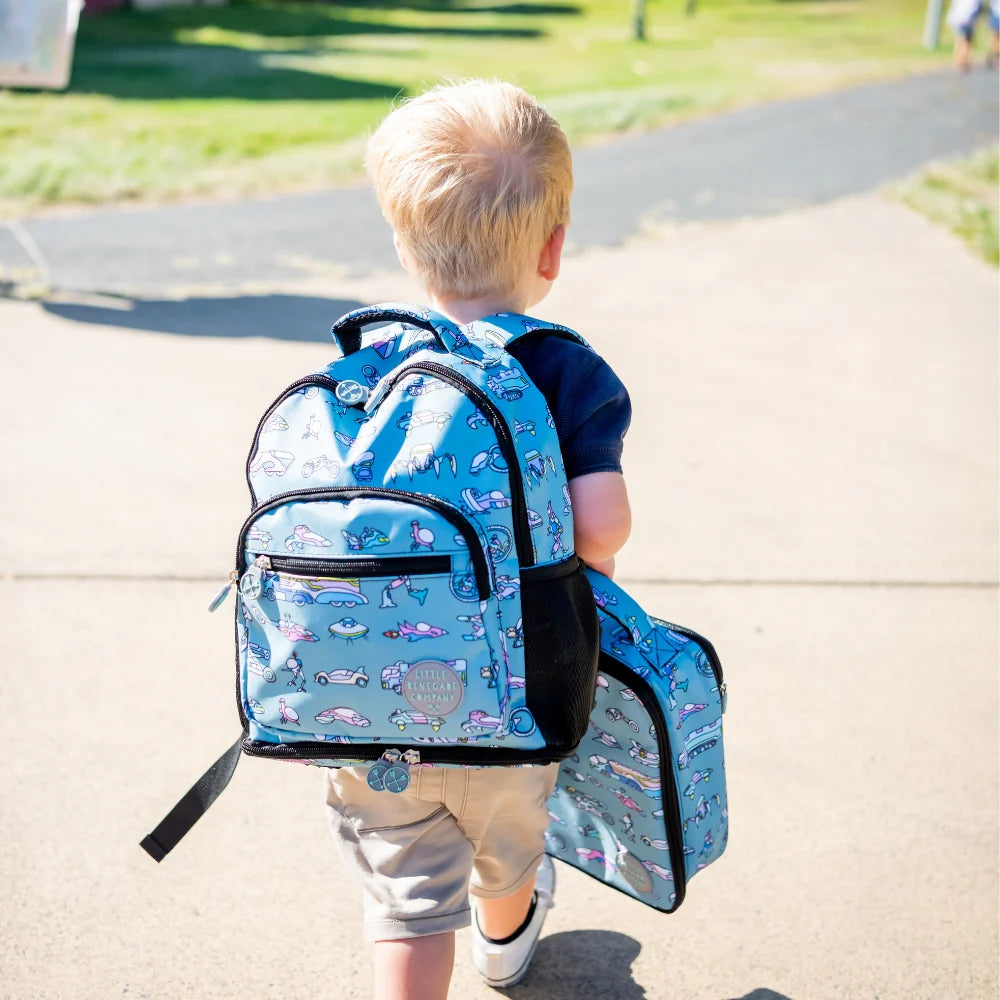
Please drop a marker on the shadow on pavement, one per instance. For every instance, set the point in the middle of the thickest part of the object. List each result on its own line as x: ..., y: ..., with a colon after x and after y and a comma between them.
x: 582, y: 965
x: 763, y: 994
x: 280, y: 317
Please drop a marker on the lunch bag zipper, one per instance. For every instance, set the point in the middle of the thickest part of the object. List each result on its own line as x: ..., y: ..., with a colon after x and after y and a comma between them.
x: 707, y: 648
x: 672, y: 810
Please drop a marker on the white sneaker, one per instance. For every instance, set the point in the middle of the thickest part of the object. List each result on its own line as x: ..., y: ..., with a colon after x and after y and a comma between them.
x: 503, y: 965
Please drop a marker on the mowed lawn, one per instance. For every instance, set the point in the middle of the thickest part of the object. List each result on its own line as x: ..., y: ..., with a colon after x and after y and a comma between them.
x: 262, y: 96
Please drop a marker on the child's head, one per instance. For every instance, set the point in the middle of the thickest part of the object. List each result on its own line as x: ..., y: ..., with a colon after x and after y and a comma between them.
x: 473, y: 178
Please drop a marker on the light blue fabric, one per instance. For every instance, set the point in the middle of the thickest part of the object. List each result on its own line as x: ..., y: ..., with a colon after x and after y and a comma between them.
x: 379, y: 595
x: 642, y: 804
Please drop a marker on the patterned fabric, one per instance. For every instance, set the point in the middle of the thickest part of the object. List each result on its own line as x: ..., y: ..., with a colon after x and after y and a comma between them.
x: 398, y: 494
x: 642, y: 804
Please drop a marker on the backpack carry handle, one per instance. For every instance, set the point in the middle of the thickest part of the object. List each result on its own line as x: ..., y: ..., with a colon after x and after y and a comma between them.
x: 347, y: 330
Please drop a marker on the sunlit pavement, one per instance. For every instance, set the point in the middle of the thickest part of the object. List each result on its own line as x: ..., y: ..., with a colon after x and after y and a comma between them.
x: 813, y: 470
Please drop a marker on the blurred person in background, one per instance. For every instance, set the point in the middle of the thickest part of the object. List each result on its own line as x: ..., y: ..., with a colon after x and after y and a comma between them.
x: 962, y: 17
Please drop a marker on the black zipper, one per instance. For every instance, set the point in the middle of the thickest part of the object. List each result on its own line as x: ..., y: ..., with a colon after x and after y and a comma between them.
x: 486, y: 406
x: 671, y: 810
x: 455, y: 753
x: 446, y: 510
x: 346, y: 567
x: 709, y: 650
x: 713, y: 658
x: 322, y: 380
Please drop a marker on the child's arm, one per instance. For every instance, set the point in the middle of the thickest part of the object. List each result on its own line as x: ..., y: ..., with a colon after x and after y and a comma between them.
x: 602, y: 518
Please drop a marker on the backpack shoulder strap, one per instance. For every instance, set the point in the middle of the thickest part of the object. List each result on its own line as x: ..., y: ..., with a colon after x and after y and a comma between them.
x: 505, y: 329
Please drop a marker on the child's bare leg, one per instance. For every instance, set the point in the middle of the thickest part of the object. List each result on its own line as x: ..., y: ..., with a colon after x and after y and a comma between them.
x: 499, y: 918
x: 414, y: 968
x: 963, y: 52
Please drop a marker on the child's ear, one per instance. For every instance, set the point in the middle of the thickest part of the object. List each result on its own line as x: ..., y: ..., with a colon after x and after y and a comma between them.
x: 550, y: 258
x: 404, y: 258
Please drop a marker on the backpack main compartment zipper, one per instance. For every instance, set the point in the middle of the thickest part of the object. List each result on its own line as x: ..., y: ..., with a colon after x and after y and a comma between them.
x: 486, y: 406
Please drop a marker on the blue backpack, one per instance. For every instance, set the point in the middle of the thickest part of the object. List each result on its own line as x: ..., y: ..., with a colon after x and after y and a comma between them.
x: 407, y: 588
x: 641, y: 805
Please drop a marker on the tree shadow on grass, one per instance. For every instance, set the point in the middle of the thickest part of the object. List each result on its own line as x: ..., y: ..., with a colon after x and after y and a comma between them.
x: 277, y: 20
x: 215, y: 71
x: 279, y: 317
x: 464, y: 7
x: 155, y: 54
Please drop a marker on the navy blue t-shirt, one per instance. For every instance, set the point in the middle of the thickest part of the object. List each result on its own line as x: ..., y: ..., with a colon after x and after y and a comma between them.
x: 589, y: 404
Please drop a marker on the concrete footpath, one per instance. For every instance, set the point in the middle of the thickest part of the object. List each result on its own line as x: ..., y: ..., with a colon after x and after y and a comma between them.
x: 813, y: 469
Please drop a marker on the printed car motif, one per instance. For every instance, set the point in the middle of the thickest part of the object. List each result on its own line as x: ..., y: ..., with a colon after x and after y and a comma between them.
x: 307, y: 590
x: 342, y: 676
x: 413, y: 419
x: 403, y: 719
x: 509, y: 384
x: 272, y: 463
x: 342, y: 713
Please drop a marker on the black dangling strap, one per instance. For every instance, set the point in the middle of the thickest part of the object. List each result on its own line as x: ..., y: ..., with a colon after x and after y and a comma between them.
x: 193, y: 806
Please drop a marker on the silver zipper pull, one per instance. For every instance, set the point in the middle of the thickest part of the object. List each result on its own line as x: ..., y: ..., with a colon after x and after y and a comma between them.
x: 263, y: 562
x: 224, y: 593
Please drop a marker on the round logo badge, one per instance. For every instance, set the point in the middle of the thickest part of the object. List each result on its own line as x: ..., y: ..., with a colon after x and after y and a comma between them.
x: 250, y: 586
x: 350, y: 393
x: 634, y: 872
x: 433, y: 687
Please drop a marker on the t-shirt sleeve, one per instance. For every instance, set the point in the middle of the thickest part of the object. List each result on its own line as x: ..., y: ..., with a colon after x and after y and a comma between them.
x: 592, y: 416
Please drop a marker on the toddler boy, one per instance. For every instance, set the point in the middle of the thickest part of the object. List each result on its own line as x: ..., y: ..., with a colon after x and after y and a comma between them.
x: 475, y: 180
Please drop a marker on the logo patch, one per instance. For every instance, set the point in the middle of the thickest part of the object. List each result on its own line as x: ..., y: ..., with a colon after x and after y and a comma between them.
x: 634, y: 872
x: 433, y: 688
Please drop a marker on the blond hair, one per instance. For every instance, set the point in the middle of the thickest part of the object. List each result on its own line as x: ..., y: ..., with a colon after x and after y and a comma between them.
x: 473, y: 177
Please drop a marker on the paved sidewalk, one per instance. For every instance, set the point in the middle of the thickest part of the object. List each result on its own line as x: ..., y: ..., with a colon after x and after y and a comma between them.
x: 814, y: 476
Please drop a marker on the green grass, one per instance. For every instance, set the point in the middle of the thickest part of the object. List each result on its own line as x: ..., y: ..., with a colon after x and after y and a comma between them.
x: 262, y: 95
x: 964, y: 196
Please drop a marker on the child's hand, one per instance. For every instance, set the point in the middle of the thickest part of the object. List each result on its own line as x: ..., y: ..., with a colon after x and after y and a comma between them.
x: 606, y: 568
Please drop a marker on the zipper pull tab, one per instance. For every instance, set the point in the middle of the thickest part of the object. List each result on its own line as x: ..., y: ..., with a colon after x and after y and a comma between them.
x: 252, y: 584
x: 397, y: 776
x: 378, y: 770
x: 224, y: 593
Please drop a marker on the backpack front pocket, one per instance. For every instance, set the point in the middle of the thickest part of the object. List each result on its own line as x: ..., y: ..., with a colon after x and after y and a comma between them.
x: 343, y: 644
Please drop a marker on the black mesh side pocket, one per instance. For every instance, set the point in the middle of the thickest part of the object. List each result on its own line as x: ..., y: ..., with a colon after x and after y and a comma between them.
x: 562, y: 641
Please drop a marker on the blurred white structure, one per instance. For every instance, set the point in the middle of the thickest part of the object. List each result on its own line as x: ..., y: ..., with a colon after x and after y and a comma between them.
x: 36, y: 42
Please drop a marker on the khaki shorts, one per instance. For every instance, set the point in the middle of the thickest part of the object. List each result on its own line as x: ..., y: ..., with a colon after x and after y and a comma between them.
x: 452, y: 832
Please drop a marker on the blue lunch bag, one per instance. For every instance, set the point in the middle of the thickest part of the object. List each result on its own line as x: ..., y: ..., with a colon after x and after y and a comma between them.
x: 642, y: 803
